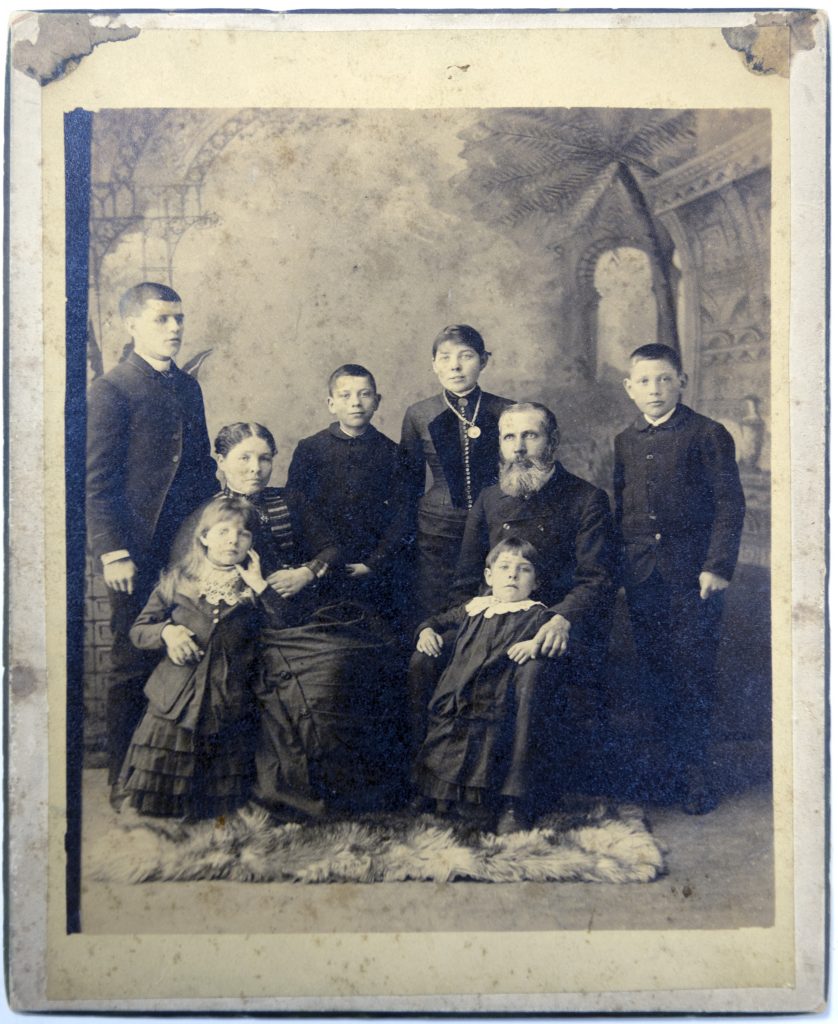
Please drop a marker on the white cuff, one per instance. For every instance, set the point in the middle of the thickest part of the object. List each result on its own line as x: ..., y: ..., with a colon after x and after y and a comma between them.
x: 114, y: 556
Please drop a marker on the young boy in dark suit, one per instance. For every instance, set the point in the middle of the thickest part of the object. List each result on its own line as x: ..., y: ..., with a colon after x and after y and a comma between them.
x: 148, y: 466
x: 679, y: 512
x: 352, y: 474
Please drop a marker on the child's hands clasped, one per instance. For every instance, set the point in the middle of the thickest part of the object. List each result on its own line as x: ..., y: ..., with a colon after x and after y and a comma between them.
x: 180, y: 644
x: 250, y: 571
x: 429, y: 642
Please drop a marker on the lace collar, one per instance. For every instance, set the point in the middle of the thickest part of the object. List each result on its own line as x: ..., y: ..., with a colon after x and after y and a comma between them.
x: 490, y: 607
x: 221, y: 583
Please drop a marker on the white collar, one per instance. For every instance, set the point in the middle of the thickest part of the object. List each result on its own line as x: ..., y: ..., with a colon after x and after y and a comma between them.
x: 661, y: 419
x: 491, y: 607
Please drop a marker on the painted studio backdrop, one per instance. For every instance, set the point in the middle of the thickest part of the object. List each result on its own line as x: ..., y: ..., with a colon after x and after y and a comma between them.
x: 302, y: 239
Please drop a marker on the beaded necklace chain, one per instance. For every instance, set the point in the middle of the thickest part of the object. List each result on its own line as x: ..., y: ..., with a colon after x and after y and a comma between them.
x: 472, y: 430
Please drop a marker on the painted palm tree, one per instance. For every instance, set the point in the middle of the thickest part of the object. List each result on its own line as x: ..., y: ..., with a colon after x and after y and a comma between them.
x: 564, y: 163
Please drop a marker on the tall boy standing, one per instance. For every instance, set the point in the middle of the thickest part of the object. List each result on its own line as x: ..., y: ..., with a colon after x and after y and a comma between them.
x: 352, y: 474
x: 148, y: 466
x: 679, y: 512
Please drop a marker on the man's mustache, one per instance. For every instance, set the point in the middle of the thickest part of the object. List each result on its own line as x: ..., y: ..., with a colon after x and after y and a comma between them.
x: 525, y: 462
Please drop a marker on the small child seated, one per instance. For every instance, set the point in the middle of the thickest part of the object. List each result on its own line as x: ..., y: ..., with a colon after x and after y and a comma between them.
x: 479, y: 748
x: 351, y: 473
x: 192, y: 754
x: 679, y: 512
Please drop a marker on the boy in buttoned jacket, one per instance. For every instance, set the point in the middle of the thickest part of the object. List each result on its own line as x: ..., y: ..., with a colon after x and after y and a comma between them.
x: 679, y: 510
x: 148, y: 466
x: 353, y: 475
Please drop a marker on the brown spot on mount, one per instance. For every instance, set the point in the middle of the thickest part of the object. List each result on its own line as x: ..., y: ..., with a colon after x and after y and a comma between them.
x: 768, y: 46
x: 63, y: 40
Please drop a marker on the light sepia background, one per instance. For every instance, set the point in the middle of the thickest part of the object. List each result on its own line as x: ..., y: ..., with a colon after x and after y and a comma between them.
x: 647, y: 68
x: 301, y: 239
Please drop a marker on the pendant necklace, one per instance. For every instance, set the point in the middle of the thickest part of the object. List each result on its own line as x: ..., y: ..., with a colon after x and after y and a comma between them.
x: 472, y: 430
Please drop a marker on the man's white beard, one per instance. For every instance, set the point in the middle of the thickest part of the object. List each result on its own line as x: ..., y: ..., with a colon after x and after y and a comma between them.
x: 522, y: 478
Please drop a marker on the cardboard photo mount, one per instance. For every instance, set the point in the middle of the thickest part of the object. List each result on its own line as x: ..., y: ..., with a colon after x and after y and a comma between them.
x: 61, y: 63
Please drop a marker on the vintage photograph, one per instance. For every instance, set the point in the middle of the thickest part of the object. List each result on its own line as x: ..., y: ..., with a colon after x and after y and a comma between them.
x: 423, y: 623
x: 549, y: 661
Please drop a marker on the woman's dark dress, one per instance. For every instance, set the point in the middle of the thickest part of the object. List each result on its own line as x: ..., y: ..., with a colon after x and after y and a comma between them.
x: 327, y: 709
x: 461, y: 467
x: 483, y: 712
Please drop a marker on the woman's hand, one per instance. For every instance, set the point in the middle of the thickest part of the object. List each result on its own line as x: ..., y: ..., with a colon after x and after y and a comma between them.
x: 250, y: 571
x: 287, y: 582
x: 429, y: 642
x: 180, y: 644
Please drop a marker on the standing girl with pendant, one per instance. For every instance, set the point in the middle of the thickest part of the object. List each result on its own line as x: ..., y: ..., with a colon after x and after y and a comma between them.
x: 456, y: 434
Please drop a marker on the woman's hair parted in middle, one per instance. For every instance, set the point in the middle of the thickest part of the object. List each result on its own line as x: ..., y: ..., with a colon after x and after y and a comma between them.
x: 190, y: 564
x: 228, y: 437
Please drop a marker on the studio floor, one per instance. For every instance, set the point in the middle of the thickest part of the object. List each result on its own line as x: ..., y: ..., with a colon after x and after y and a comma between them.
x: 720, y: 875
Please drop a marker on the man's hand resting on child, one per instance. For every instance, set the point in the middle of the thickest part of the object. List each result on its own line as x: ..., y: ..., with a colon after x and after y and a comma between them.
x: 711, y: 583
x: 552, y: 639
x: 429, y: 642
x: 180, y: 644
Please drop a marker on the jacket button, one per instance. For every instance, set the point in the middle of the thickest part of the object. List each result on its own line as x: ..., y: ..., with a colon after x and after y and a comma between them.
x: 285, y: 676
x: 652, y: 515
x: 650, y: 456
x: 506, y: 526
x: 175, y: 458
x: 657, y: 536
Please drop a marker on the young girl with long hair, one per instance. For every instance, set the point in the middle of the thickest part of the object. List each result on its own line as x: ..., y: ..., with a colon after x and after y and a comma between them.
x: 192, y: 755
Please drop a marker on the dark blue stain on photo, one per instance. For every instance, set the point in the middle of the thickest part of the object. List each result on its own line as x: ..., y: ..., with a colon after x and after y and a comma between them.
x: 77, y: 134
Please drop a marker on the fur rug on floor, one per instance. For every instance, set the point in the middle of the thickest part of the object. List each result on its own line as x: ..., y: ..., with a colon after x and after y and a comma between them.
x: 595, y: 844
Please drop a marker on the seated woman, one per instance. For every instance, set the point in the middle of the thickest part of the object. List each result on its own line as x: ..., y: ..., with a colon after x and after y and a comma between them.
x: 327, y: 728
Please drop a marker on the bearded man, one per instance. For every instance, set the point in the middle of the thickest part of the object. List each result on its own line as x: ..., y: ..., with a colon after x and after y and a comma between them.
x: 565, y: 518
x: 568, y: 521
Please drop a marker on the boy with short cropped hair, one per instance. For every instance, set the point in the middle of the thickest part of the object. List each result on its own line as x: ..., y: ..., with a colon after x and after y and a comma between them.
x: 679, y: 512
x: 149, y: 465
x: 352, y: 474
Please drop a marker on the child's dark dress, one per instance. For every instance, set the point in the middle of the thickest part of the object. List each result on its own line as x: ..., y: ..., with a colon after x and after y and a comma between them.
x: 192, y: 753
x: 481, y: 715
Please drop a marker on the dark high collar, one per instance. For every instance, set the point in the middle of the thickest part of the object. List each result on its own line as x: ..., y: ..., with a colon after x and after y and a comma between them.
x: 471, y: 400
x: 368, y: 434
x: 676, y: 421
x: 140, y: 364
x: 254, y: 499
